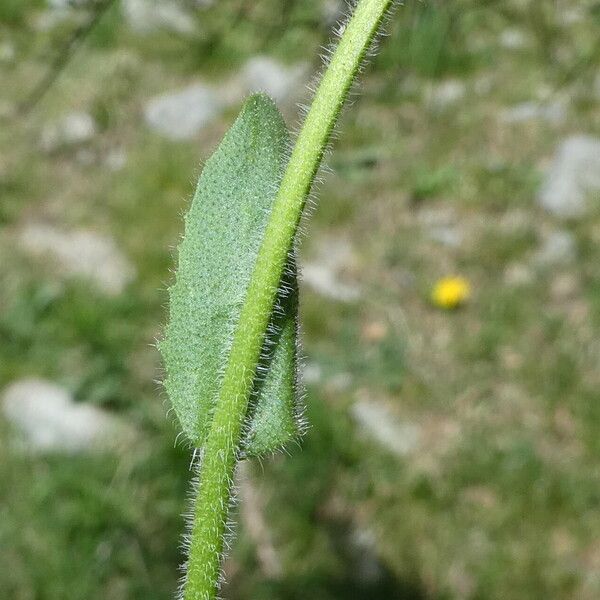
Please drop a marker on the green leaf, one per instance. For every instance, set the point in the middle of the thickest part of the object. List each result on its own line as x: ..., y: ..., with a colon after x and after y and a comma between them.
x: 223, y: 231
x: 275, y: 406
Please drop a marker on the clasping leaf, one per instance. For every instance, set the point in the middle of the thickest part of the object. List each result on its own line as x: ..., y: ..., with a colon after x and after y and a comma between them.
x: 223, y: 232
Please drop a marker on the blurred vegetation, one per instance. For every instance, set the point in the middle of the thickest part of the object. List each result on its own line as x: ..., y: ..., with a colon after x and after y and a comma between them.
x: 500, y: 498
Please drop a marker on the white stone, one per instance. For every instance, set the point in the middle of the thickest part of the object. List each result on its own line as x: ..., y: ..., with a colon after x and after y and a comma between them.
x: 67, y: 4
x: 147, y: 16
x: 554, y: 113
x: 265, y: 74
x: 558, y: 247
x: 312, y: 373
x: 182, y: 114
x: 340, y: 382
x: 368, y: 568
x: 116, y: 159
x: 255, y: 518
x: 446, y: 236
x: 378, y: 421
x: 439, y: 225
x: 79, y: 253
x: 484, y: 84
x: 323, y: 280
x: 518, y: 275
x: 514, y: 39
x: 333, y: 11
x: 437, y: 216
x: 573, y: 174
x: 46, y: 20
x: 49, y: 420
x: 7, y: 52
x: 446, y: 93
x: 324, y: 275
x: 7, y: 110
x: 70, y: 130
x: 572, y: 15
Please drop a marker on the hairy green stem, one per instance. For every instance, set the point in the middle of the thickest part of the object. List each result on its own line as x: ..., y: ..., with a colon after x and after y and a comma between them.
x: 221, y: 448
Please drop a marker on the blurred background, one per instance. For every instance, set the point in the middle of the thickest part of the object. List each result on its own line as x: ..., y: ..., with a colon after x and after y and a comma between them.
x: 452, y: 453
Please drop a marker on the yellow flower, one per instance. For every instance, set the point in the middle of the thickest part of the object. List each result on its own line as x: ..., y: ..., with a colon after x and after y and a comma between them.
x: 450, y: 292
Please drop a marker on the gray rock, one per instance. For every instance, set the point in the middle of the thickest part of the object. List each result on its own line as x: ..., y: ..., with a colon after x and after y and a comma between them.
x: 70, y: 130
x: 79, y: 253
x: 8, y: 110
x: 333, y: 11
x: 255, y: 518
x: 571, y: 15
x: 7, y: 52
x: 554, y: 113
x: 514, y: 39
x: 49, y: 420
x: 367, y: 568
x: 518, y: 275
x: 182, y: 114
x: 446, y: 236
x: 312, y: 373
x: 47, y: 20
x: 116, y: 159
x: 66, y: 4
x: 379, y: 423
x: 324, y: 274
x: 264, y: 74
x: 445, y: 94
x: 558, y: 247
x: 147, y: 16
x: 573, y: 174
x: 440, y: 225
x: 340, y: 382
x: 484, y: 84
x: 323, y: 280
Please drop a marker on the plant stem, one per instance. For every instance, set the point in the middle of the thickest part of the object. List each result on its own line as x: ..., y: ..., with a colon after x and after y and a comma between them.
x: 221, y: 448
